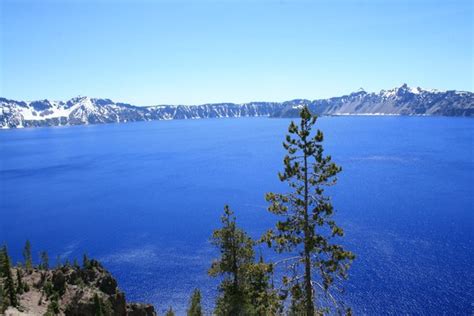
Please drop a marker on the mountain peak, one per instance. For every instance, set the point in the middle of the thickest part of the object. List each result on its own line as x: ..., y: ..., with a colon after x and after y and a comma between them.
x: 402, y: 100
x: 359, y: 92
x: 404, y: 86
x: 80, y: 98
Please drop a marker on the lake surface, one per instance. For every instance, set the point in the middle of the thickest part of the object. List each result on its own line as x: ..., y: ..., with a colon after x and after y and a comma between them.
x: 144, y: 199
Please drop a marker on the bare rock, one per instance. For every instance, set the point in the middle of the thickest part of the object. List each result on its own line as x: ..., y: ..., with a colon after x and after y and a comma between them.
x: 137, y: 309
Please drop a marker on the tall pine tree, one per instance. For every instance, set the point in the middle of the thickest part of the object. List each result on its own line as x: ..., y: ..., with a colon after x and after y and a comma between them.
x: 44, y: 263
x: 20, y: 287
x: 245, y: 288
x: 27, y: 256
x: 237, y: 254
x: 195, y: 308
x: 306, y: 228
x: 9, y: 285
x: 98, y: 306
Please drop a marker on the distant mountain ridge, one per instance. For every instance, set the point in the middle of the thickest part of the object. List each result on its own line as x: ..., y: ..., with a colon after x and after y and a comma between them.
x: 402, y: 100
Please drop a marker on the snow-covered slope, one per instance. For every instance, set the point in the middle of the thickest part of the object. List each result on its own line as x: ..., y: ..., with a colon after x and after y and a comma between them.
x: 402, y: 100
x: 84, y: 110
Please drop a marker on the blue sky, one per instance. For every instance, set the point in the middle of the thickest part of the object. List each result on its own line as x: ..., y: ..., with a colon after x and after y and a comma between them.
x: 192, y: 52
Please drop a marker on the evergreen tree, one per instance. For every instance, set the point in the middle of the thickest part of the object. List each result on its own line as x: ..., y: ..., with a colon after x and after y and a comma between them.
x: 19, y: 283
x: 195, y: 308
x: 53, y: 306
x: 170, y: 312
x: 86, y: 262
x: 9, y: 290
x: 3, y: 258
x: 263, y: 297
x: 3, y: 300
x: 297, y: 306
x: 76, y: 264
x: 237, y: 255
x: 307, y: 229
x: 98, y: 306
x: 245, y: 288
x: 27, y: 256
x: 44, y: 261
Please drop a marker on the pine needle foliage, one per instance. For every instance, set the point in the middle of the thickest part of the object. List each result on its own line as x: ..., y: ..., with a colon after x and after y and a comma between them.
x: 305, y: 229
x: 245, y: 288
x: 27, y: 256
x: 195, y: 308
x: 9, y: 292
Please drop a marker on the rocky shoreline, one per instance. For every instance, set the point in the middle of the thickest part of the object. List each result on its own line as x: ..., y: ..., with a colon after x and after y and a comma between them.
x: 71, y: 290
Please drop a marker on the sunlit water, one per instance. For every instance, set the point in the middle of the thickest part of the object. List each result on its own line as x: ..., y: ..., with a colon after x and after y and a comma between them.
x: 144, y: 198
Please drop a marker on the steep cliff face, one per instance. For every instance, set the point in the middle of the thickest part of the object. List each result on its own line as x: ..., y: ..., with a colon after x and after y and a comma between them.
x: 84, y: 110
x: 72, y: 290
x: 398, y: 101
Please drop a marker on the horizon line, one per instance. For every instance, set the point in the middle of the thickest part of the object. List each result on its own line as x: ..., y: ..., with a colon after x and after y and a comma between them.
x: 247, y: 102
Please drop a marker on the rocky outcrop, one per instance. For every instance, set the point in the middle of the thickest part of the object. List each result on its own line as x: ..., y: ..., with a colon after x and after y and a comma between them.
x: 136, y: 309
x: 73, y: 291
x: 83, y: 110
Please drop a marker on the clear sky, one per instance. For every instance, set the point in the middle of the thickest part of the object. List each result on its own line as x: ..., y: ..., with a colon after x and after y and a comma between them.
x: 192, y: 52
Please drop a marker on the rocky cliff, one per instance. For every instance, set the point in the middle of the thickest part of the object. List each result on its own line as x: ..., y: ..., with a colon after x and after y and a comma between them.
x: 72, y: 290
x: 84, y: 110
x: 398, y: 101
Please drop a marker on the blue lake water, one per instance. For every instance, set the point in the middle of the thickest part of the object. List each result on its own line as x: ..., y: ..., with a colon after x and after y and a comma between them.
x: 144, y: 198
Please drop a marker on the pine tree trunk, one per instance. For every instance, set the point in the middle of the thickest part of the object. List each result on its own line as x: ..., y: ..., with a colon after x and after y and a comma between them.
x: 307, y: 259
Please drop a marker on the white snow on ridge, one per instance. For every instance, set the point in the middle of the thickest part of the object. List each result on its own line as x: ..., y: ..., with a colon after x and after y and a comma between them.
x: 416, y: 90
x: 29, y: 113
x: 403, y: 100
x: 57, y: 109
